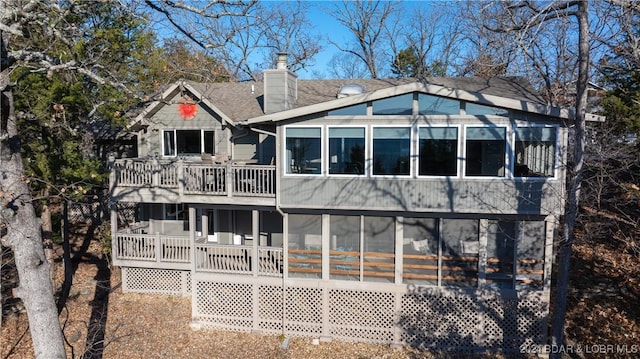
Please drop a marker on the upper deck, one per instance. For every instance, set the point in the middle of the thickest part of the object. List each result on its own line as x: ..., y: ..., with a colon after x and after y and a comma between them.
x: 170, y: 181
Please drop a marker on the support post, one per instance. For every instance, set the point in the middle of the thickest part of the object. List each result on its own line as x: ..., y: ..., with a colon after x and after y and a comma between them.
x: 255, y: 232
x: 114, y: 232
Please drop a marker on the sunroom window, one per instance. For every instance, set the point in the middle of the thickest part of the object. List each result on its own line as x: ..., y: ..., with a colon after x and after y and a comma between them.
x: 485, y: 151
x: 303, y: 150
x: 187, y: 142
x: 535, y: 152
x: 438, y: 151
x: 355, y: 110
x: 346, y: 150
x: 391, y: 150
x: 398, y: 105
x: 434, y: 105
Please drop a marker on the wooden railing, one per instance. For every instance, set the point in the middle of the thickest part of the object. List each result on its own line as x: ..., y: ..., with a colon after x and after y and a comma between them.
x: 196, y: 178
x: 218, y: 258
x: 269, y: 261
x: 238, y: 259
x: 152, y: 247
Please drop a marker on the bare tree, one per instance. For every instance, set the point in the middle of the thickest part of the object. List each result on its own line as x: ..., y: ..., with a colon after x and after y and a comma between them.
x: 345, y: 66
x: 287, y: 29
x: 521, y: 18
x: 33, y: 35
x: 433, y: 36
x: 366, y: 21
x: 243, y: 36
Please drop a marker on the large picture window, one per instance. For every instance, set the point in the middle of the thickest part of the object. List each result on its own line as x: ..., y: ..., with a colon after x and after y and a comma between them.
x: 391, y: 150
x: 485, y: 151
x: 535, y: 152
x: 187, y: 142
x: 303, y: 150
x: 438, y: 151
x: 346, y: 150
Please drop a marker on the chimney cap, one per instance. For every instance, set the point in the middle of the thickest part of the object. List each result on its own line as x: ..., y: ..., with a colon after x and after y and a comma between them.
x: 281, y: 63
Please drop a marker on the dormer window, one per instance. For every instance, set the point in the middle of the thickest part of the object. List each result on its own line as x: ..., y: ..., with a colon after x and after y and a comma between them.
x: 187, y: 142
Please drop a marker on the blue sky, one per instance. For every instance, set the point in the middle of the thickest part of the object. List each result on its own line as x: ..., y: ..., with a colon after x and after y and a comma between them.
x: 324, y: 25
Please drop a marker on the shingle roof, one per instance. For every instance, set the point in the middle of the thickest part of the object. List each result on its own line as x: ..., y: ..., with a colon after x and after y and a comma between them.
x: 243, y: 100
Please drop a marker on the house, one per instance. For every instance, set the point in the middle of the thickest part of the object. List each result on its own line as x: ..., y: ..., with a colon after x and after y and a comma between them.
x: 394, y: 211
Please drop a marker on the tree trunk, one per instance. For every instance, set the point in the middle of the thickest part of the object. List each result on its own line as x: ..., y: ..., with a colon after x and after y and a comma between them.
x: 24, y: 235
x: 47, y: 238
x: 574, y: 183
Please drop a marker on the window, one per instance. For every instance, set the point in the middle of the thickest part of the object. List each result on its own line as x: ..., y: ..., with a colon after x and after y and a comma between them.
x: 535, y: 152
x: 344, y: 257
x: 500, y: 253
x: 391, y: 150
x: 434, y: 105
x: 305, y: 245
x: 346, y: 150
x: 460, y: 252
x: 485, y: 151
x: 398, y: 105
x: 479, y: 110
x: 176, y: 211
x: 420, y: 250
x: 187, y: 142
x: 438, y: 151
x: 355, y: 110
x: 379, y: 249
x: 303, y: 150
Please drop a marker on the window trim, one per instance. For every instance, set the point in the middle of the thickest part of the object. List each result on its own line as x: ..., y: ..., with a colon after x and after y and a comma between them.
x: 327, y: 157
x: 459, y: 157
x: 508, y: 153
x: 285, y: 173
x: 175, y: 139
x: 556, y: 154
x: 371, y: 160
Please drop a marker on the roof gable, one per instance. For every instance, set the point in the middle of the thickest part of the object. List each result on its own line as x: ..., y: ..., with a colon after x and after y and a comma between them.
x: 242, y: 102
x: 487, y: 92
x: 168, y: 97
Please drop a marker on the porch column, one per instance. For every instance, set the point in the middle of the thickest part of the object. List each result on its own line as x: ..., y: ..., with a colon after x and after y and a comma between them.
x: 192, y: 242
x: 205, y: 224
x: 255, y: 232
x: 193, y: 256
x: 482, y: 252
x: 114, y: 231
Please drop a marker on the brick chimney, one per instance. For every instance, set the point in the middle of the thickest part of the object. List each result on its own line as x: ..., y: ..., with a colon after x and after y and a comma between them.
x: 280, y: 87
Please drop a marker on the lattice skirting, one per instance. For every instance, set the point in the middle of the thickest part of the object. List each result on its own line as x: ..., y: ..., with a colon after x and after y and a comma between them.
x: 429, y: 318
x: 156, y: 281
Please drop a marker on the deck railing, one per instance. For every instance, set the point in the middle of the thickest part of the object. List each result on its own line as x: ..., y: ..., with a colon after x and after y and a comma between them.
x: 196, y: 178
x: 208, y: 257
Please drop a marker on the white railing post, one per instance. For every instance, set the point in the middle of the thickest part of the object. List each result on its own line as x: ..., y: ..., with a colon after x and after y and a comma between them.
x: 230, y: 179
x: 181, y: 178
x: 157, y: 248
x: 255, y: 233
x: 155, y: 173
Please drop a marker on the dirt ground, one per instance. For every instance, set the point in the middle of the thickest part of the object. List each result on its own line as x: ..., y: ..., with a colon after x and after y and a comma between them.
x: 100, y: 321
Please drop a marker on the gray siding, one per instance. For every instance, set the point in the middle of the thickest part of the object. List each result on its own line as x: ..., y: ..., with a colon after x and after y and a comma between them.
x: 245, y: 147
x: 423, y: 195
x: 150, y: 141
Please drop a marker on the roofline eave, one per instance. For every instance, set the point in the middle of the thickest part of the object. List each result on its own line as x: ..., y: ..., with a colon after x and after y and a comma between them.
x: 476, y: 97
